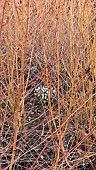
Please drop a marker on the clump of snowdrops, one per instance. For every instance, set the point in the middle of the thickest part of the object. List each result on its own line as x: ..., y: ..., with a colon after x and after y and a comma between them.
x: 41, y: 93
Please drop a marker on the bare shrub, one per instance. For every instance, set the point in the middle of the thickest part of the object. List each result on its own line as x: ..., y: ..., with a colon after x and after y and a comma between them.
x: 47, y: 85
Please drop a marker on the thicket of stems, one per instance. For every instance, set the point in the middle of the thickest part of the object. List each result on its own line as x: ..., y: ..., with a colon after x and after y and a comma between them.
x: 57, y: 38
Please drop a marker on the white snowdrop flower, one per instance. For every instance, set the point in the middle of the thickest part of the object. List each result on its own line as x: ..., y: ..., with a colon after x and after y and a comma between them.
x: 46, y: 97
x: 38, y: 88
x: 47, y: 91
x: 35, y: 93
x: 42, y: 157
x: 43, y: 89
x: 29, y: 118
x: 46, y: 94
x: 42, y: 96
